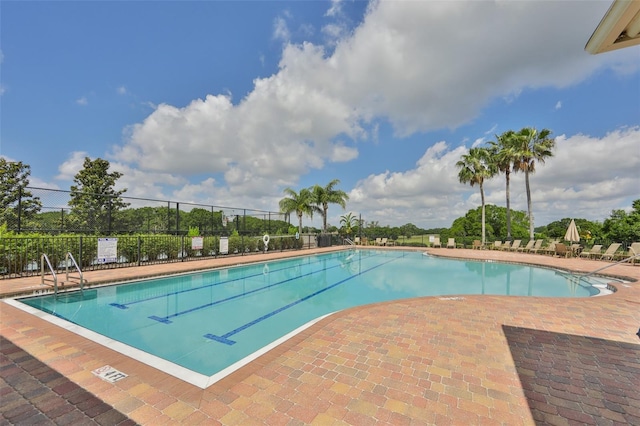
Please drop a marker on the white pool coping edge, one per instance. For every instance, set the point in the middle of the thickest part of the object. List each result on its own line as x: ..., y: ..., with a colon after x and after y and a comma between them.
x: 200, y: 380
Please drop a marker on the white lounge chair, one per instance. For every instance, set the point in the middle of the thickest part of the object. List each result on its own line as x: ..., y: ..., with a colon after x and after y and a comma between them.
x: 528, y: 247
x: 537, y: 246
x: 515, y: 246
x: 506, y: 246
x: 596, y: 250
x: 451, y: 243
x: 436, y: 242
x: 610, y: 251
x: 634, y: 250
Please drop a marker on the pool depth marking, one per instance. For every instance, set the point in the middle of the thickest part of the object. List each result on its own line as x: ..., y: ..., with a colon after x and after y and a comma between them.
x: 173, y: 293
x: 225, y: 337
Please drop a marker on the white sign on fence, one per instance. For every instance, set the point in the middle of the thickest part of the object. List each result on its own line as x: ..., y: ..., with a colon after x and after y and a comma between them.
x: 107, y: 250
x: 224, y: 245
x: 197, y: 243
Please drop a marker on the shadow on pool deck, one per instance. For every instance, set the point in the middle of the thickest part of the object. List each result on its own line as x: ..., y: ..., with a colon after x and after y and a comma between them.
x: 33, y: 393
x: 576, y: 378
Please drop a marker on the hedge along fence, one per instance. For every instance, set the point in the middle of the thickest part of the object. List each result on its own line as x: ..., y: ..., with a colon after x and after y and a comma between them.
x: 20, y: 255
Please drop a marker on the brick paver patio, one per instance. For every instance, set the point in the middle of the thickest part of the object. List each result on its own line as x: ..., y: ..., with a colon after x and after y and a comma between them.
x: 435, y: 360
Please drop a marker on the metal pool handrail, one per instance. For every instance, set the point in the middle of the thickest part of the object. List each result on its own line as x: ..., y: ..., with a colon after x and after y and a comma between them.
x: 44, y: 258
x: 73, y: 260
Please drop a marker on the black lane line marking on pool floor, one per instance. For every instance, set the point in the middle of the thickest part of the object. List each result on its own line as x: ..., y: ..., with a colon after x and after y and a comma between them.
x: 165, y: 320
x: 173, y: 293
x: 225, y: 337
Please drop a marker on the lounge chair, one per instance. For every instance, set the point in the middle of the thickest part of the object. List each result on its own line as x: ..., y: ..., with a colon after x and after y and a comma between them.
x: 496, y: 245
x: 451, y: 243
x: 562, y: 250
x: 378, y: 241
x: 550, y: 248
x: 610, y: 251
x: 575, y: 249
x: 536, y: 247
x: 383, y: 242
x: 515, y: 246
x: 506, y: 246
x: 477, y: 245
x: 436, y: 242
x: 357, y: 240
x: 634, y: 250
x: 528, y: 247
x: 594, y: 251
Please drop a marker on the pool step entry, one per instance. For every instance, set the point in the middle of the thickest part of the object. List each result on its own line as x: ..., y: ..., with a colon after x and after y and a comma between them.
x: 74, y: 276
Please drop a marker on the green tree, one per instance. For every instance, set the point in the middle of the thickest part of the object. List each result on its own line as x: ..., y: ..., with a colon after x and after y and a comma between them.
x: 93, y: 197
x: 301, y: 203
x: 348, y: 222
x: 533, y: 146
x: 475, y: 167
x: 323, y: 196
x: 504, y: 152
x: 622, y: 226
x: 15, y: 200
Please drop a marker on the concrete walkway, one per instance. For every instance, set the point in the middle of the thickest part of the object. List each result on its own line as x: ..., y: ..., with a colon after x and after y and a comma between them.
x: 433, y: 360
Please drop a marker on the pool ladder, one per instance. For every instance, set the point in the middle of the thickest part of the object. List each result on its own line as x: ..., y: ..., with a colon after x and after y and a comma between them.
x: 77, y: 279
x: 580, y: 277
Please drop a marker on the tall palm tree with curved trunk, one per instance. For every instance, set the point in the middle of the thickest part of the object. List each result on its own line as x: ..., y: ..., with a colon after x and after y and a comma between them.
x: 504, y: 154
x: 532, y: 147
x: 301, y: 203
x: 323, y: 196
x: 475, y: 167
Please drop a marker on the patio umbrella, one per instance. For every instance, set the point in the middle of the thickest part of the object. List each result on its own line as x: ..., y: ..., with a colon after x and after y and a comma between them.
x: 572, y: 233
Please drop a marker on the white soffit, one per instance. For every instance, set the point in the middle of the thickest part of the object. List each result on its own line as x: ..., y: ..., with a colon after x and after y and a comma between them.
x: 619, y: 28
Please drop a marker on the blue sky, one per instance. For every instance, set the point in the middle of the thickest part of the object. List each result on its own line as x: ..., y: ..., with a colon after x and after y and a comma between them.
x: 228, y: 103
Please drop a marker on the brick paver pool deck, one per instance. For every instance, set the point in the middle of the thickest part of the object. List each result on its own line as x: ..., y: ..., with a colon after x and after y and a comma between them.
x: 465, y: 360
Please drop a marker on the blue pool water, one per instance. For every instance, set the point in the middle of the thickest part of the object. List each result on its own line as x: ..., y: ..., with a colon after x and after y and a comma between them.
x: 207, y: 321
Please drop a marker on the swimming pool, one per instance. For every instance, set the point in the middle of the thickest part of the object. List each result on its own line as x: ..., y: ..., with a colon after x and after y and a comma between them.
x: 200, y: 326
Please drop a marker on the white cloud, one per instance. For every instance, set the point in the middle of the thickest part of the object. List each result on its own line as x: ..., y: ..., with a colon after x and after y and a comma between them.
x: 576, y: 182
x: 335, y: 9
x: 558, y: 105
x: 281, y: 29
x: 68, y: 169
x: 420, y: 66
x: 82, y: 101
x: 121, y: 90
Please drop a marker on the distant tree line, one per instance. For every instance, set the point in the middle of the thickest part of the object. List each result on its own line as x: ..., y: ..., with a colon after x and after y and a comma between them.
x: 94, y: 204
x: 95, y: 207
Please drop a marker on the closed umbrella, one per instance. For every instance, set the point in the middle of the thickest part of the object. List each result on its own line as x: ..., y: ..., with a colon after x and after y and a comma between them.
x: 572, y: 234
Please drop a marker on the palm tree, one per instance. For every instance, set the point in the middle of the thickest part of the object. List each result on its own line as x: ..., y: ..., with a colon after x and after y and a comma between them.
x: 532, y: 146
x: 504, y: 154
x: 475, y: 167
x: 301, y: 203
x: 348, y: 221
x: 328, y: 195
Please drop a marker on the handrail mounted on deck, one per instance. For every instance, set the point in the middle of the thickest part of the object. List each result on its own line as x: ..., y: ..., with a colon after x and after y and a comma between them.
x: 45, y: 259
x: 80, y: 279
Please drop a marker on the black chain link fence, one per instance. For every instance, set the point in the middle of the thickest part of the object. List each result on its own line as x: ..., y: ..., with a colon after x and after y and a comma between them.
x: 100, y: 214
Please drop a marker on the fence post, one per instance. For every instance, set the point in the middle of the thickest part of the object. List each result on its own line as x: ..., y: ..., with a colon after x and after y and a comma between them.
x: 182, y: 253
x: 109, y: 205
x: 139, y: 244
x: 80, y: 254
x: 19, y: 207
x: 178, y: 220
x: 168, y: 217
